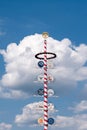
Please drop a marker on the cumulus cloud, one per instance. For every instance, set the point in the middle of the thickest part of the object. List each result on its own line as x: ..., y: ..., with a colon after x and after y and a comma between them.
x: 77, y: 122
x: 31, y: 113
x: 4, y: 126
x: 21, y: 65
x: 80, y: 107
x: 8, y: 93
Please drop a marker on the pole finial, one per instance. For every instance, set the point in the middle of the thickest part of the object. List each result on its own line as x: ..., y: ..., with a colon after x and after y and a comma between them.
x: 45, y: 35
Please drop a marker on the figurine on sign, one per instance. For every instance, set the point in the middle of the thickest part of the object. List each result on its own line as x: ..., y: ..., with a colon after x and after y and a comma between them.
x: 50, y: 121
x: 50, y: 92
x: 40, y: 92
x: 40, y: 121
x: 41, y: 64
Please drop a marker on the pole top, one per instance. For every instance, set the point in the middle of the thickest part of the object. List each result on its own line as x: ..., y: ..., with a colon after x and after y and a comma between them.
x: 45, y: 35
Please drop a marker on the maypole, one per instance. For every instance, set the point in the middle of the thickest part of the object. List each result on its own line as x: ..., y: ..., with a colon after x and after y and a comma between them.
x: 44, y: 91
x: 45, y: 36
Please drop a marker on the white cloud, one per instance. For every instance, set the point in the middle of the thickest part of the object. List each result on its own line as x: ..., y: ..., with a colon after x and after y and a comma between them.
x: 77, y: 122
x: 21, y: 65
x: 8, y: 93
x: 80, y: 107
x: 4, y: 126
x: 31, y: 113
x: 63, y: 121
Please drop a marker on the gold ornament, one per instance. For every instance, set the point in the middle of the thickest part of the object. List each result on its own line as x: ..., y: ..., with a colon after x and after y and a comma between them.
x: 45, y: 35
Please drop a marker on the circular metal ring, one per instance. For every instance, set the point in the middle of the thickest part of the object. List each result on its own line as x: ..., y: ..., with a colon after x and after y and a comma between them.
x: 41, y: 58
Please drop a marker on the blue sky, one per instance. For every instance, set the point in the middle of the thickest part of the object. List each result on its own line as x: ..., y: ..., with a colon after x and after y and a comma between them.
x: 21, y: 26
